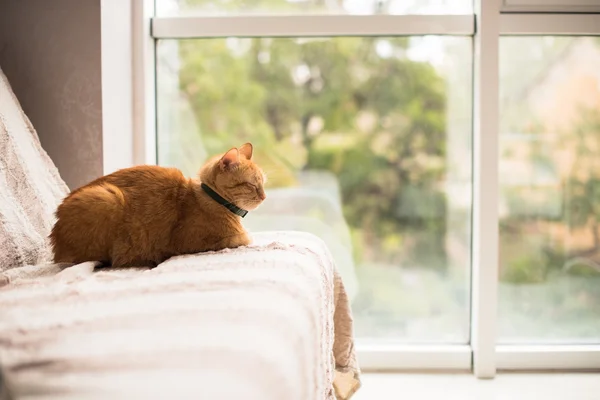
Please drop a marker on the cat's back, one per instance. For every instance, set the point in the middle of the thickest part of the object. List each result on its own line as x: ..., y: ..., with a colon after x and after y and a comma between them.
x: 151, y: 175
x: 129, y: 202
x: 149, y: 189
x: 144, y: 183
x: 135, y: 180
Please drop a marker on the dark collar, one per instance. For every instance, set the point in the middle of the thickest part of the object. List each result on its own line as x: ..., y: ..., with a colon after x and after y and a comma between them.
x: 216, y: 197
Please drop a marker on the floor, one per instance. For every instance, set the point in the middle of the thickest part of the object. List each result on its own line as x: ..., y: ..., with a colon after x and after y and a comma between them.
x: 508, y: 386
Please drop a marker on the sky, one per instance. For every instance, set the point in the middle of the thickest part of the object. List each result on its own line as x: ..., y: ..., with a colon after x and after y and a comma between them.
x: 363, y: 7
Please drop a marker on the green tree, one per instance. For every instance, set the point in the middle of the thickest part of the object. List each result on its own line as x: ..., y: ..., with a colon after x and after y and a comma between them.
x: 384, y: 114
x: 582, y: 186
x: 374, y: 118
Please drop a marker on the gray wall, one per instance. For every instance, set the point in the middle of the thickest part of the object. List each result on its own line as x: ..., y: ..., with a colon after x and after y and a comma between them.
x: 50, y: 52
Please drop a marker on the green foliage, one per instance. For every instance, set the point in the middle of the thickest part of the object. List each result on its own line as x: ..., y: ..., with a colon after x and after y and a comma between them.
x: 378, y: 123
x: 584, y: 269
x: 526, y: 255
x: 583, y: 185
x: 525, y: 269
x: 568, y: 211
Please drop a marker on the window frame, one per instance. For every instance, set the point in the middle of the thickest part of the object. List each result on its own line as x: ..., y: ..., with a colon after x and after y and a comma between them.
x: 311, y: 25
x: 129, y: 33
x: 542, y: 6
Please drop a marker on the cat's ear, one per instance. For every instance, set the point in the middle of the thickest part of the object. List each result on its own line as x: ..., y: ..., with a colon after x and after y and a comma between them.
x: 246, y: 150
x: 230, y: 160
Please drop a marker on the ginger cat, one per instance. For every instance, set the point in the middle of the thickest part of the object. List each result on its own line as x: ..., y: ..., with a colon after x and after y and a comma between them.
x: 143, y: 215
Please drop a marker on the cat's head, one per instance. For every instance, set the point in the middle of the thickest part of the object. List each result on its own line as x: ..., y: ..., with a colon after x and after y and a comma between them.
x: 236, y: 177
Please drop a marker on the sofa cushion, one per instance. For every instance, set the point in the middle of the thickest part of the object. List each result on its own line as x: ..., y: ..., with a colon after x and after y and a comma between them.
x: 30, y: 187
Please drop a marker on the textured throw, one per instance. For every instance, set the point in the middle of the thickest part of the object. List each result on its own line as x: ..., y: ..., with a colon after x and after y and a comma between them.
x: 267, y: 321
x: 30, y: 187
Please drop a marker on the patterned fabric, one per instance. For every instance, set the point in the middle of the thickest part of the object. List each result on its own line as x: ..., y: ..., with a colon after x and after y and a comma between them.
x: 269, y: 321
x: 30, y: 187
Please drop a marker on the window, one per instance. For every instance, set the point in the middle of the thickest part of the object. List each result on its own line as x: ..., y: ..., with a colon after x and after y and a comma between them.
x: 446, y: 152
x: 550, y: 190
x: 363, y: 140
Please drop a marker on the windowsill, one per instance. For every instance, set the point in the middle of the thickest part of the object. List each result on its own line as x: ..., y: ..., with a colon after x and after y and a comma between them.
x: 506, y: 386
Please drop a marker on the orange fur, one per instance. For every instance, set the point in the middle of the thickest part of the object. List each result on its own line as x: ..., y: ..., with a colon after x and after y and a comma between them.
x: 143, y: 215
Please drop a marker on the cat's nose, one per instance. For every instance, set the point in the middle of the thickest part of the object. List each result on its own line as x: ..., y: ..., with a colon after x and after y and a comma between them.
x: 262, y: 195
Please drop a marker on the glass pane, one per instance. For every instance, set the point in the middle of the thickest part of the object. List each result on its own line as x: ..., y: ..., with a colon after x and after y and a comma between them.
x: 550, y: 189
x: 295, y: 7
x: 366, y: 142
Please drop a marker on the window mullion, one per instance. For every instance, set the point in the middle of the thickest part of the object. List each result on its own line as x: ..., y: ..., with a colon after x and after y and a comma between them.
x: 485, y: 188
x: 312, y: 25
x: 144, y: 83
x: 550, y: 24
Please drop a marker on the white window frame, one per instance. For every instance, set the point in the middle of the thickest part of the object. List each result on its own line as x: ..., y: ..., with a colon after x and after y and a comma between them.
x: 129, y: 32
x: 116, y: 73
x: 551, y: 6
x: 314, y: 25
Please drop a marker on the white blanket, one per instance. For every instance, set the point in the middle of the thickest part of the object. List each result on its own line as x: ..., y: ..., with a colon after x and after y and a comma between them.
x: 30, y: 187
x: 267, y: 321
